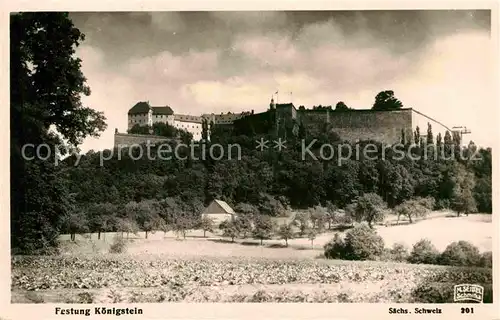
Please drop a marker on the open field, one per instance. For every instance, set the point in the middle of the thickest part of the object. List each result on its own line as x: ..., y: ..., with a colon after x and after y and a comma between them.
x: 150, y: 278
x: 440, y: 229
x: 164, y: 268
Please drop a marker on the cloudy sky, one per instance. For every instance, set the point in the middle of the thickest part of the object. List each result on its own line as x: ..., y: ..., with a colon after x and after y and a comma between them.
x: 438, y: 62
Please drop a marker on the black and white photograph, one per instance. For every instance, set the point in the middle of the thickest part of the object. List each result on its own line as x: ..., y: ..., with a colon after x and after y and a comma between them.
x: 292, y: 156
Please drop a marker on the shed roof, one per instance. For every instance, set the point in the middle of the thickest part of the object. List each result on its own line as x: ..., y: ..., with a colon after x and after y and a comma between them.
x: 225, y: 206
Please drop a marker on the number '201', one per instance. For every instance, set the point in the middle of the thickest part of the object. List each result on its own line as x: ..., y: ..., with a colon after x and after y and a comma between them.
x: 467, y: 310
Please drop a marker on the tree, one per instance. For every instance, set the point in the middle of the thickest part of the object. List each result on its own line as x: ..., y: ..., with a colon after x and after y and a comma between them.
x: 127, y: 225
x: 46, y: 88
x: 403, y: 137
x: 448, y: 144
x: 331, y: 212
x: 341, y: 106
x: 417, y: 137
x: 439, y: 143
x: 463, y: 201
x: 483, y: 195
x: 100, y: 217
x: 285, y: 232
x: 164, y: 130
x: 370, y: 207
x: 263, y: 228
x: 430, y: 136
x: 463, y: 183
x: 244, y: 225
x: 163, y: 226
x: 246, y: 209
x: 138, y: 129
x: 182, y: 225
x: 301, y: 221
x: 386, y: 100
x: 414, y: 208
x: 207, y: 224
x: 311, y: 235
x: 75, y: 223
x: 229, y: 229
x: 318, y: 217
x: 146, y: 216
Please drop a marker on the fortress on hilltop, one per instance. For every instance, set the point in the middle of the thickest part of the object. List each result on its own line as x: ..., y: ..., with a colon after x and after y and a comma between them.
x: 388, y: 126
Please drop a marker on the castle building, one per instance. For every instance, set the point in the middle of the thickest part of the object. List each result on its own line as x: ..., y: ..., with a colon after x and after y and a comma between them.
x: 224, y: 119
x: 389, y: 126
x: 191, y: 124
x: 143, y: 114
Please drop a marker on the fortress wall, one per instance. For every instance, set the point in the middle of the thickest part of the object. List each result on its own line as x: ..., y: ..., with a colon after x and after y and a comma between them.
x: 352, y: 125
x: 125, y: 139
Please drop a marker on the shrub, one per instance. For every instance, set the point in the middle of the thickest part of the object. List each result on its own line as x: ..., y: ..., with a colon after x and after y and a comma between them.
x: 461, y: 253
x: 361, y: 243
x: 118, y: 246
x: 399, y: 252
x: 486, y: 260
x: 424, y: 252
x: 335, y: 248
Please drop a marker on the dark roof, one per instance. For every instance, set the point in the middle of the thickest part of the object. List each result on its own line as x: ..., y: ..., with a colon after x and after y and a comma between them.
x: 140, y: 107
x: 187, y: 118
x: 163, y: 110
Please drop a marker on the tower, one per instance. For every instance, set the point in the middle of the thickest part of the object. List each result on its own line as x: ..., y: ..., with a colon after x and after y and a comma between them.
x: 272, y: 105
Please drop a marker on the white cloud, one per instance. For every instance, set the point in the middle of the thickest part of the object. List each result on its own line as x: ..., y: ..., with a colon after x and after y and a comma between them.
x: 451, y: 80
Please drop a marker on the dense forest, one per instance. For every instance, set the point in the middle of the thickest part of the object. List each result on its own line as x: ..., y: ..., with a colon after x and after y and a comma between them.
x: 148, y: 192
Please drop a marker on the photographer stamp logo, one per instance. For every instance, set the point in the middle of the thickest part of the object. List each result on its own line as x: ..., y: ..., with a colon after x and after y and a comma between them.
x: 468, y: 292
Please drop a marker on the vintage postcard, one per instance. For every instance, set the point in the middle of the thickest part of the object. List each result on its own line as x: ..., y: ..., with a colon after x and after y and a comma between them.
x: 188, y: 162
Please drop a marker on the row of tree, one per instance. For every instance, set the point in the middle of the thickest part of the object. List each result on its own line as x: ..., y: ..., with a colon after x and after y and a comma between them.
x: 172, y: 215
x: 384, y: 100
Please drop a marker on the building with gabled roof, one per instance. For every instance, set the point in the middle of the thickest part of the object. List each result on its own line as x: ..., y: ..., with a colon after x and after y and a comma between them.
x: 219, y: 211
x: 143, y: 114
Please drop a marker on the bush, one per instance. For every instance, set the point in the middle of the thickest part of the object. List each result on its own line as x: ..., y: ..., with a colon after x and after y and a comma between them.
x: 399, y: 252
x: 461, y: 253
x: 424, y: 252
x: 118, y: 246
x: 361, y: 243
x: 486, y: 260
x: 335, y: 248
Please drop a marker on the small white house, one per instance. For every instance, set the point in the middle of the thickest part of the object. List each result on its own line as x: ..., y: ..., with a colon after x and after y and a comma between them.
x: 219, y: 211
